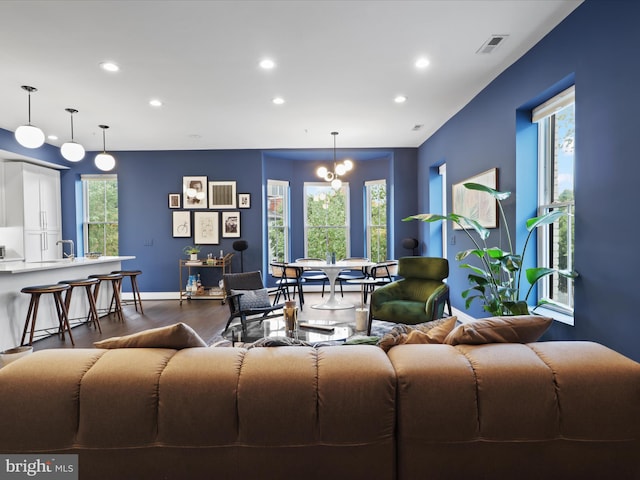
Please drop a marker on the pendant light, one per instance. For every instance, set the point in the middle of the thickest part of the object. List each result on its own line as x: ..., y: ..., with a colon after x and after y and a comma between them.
x: 339, y: 169
x: 29, y: 135
x: 105, y: 161
x: 72, y: 151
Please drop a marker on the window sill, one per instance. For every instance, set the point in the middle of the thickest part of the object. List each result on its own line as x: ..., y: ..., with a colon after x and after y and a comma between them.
x: 556, y: 315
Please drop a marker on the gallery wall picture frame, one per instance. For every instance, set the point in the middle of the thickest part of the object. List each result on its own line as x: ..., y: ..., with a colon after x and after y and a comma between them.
x: 244, y: 200
x: 174, y: 200
x: 230, y: 224
x: 205, y: 228
x: 194, y: 192
x: 479, y: 206
x: 222, y: 194
x: 181, y: 221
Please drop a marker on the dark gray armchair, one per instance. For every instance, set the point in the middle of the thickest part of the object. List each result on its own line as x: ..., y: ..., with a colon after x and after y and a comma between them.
x: 247, y: 297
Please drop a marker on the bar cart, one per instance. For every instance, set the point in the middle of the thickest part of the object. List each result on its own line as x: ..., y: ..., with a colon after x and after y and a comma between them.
x: 190, y: 290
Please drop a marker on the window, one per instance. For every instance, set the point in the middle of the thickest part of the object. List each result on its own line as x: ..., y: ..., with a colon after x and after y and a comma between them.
x: 100, y: 224
x: 278, y: 220
x: 376, y: 225
x: 556, y: 137
x: 326, y: 225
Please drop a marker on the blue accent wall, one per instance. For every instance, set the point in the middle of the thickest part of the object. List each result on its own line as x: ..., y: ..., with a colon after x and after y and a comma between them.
x: 597, y: 46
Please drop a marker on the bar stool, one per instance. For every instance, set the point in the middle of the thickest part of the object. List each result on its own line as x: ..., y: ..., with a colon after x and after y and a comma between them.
x: 116, y: 281
x: 61, y: 309
x: 87, y: 283
x: 133, y: 275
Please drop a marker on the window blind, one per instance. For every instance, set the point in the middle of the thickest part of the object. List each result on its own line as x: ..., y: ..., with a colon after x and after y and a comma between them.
x: 553, y: 105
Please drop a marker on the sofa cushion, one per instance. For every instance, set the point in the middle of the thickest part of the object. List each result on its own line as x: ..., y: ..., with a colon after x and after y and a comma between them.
x: 175, y: 336
x: 511, y: 329
x: 429, y: 332
x: 251, y: 299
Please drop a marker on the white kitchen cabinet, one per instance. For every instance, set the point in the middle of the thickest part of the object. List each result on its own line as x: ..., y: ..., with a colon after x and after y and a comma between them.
x: 40, y: 246
x: 33, y: 196
x: 41, y: 198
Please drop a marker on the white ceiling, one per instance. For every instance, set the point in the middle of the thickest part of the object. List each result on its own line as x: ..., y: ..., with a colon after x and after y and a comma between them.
x: 339, y: 66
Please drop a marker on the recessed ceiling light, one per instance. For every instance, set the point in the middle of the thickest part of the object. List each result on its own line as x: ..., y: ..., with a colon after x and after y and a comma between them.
x: 400, y: 99
x: 154, y: 102
x: 422, y: 63
x: 267, y: 64
x: 278, y: 100
x: 52, y: 137
x: 109, y: 66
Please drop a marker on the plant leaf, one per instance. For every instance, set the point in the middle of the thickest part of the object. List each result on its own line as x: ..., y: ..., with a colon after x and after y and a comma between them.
x: 477, y: 270
x: 426, y: 217
x: 472, y: 251
x: 535, y: 274
x: 545, y: 219
x: 495, y: 252
x: 517, y: 308
x: 483, y: 188
x: 568, y: 273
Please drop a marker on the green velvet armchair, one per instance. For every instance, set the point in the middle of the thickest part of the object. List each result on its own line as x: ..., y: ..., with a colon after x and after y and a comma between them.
x: 420, y: 296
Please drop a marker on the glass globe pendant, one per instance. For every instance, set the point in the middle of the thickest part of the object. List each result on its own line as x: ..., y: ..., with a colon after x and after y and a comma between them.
x: 28, y: 135
x: 72, y: 151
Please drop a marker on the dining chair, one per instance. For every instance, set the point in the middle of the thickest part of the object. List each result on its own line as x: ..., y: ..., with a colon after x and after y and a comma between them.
x: 288, y: 278
x: 351, y: 274
x: 311, y: 275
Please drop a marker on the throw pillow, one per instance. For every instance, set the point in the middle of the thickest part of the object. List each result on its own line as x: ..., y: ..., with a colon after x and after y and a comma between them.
x: 176, y: 336
x: 435, y: 335
x: 515, y: 329
x: 398, y: 334
x: 251, y: 299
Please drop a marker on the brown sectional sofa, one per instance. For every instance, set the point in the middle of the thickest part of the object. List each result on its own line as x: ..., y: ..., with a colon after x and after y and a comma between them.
x: 543, y: 410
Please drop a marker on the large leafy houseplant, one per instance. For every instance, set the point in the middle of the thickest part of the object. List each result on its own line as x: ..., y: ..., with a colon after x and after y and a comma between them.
x: 497, y: 281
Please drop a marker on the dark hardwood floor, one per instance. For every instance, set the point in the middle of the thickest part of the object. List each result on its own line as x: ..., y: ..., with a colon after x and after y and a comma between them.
x: 207, y: 317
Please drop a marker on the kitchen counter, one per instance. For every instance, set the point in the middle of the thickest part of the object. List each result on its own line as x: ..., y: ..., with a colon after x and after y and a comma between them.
x: 23, y: 267
x: 15, y: 275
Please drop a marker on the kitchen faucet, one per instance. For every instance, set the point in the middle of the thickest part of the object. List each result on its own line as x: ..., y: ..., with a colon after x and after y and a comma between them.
x: 71, y: 255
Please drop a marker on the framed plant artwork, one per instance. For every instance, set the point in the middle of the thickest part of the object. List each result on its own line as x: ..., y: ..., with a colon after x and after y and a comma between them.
x: 474, y: 204
x: 231, y: 224
x: 222, y: 194
x: 205, y: 228
x: 194, y: 192
x: 174, y: 200
x: 244, y: 200
x: 182, y: 224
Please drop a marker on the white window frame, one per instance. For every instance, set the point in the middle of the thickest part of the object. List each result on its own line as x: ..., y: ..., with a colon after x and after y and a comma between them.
x: 544, y: 116
x: 369, y: 224
x: 442, y: 171
x: 285, y: 191
x: 85, y: 207
x: 346, y: 190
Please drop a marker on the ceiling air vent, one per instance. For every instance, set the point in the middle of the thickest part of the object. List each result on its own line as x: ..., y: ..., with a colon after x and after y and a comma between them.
x: 492, y: 43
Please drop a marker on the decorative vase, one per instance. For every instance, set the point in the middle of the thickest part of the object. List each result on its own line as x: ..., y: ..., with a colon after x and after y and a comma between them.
x: 362, y: 316
x: 291, y: 318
